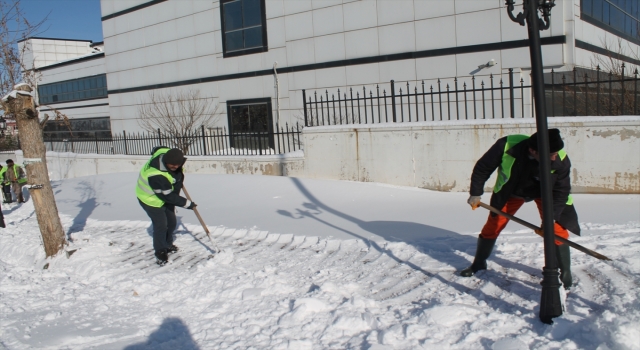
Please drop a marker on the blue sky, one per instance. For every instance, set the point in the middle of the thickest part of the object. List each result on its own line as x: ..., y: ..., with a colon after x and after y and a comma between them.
x: 67, y: 19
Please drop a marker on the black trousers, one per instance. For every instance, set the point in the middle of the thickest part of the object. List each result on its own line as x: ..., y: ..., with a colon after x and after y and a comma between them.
x: 163, y: 221
x: 6, y: 193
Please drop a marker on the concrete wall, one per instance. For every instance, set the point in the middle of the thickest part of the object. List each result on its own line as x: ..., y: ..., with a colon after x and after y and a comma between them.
x: 71, y: 165
x: 604, y: 151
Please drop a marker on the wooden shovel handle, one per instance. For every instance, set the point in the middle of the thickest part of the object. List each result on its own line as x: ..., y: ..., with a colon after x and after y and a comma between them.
x: 538, y: 231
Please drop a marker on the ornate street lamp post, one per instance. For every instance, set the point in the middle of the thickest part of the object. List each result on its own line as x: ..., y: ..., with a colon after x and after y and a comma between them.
x: 550, y: 303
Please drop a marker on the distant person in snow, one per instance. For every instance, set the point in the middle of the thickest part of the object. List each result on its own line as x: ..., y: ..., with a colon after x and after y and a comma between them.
x: 516, y: 158
x: 158, y: 192
x: 6, y: 185
x: 16, y: 176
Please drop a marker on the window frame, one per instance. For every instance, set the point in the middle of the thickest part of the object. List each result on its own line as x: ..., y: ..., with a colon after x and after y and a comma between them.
x: 265, y: 44
x: 247, y: 102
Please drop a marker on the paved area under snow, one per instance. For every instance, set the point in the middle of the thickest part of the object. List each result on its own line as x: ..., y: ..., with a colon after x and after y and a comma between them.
x: 308, y: 264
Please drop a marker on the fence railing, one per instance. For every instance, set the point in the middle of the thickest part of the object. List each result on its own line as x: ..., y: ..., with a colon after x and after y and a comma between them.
x: 594, y: 93
x: 200, y: 143
x: 466, y: 98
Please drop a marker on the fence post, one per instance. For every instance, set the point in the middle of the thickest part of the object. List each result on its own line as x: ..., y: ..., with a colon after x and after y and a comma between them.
x: 304, y: 98
x: 393, y: 100
x: 126, y: 149
x: 622, y: 94
x: 512, y: 102
x: 159, y: 138
x: 204, y: 141
x: 97, y: 148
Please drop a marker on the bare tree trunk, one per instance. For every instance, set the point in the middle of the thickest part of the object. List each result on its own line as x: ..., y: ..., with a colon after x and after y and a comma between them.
x: 34, y: 152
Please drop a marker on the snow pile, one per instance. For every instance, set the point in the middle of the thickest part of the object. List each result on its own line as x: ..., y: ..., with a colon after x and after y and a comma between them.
x: 361, y: 266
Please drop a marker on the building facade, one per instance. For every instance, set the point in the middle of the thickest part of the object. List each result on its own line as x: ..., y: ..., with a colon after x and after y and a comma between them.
x: 254, y: 58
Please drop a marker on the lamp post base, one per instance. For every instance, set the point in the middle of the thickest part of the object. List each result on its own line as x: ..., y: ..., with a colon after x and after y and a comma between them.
x: 550, y: 302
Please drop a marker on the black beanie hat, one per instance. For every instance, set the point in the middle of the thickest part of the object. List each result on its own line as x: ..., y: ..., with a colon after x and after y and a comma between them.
x: 555, y: 141
x: 174, y: 156
x: 9, y: 161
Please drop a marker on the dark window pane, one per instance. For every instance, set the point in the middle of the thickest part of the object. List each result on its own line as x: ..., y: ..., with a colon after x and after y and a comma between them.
x: 253, y: 37
x: 259, y: 117
x: 587, y: 7
x: 94, y: 83
x: 240, y: 118
x: 597, y: 9
x: 234, y: 41
x: 232, y: 15
x: 75, y: 86
x: 251, y: 13
x: 606, y: 13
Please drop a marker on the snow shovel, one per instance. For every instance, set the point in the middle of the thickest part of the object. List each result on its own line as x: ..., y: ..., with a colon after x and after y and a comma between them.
x: 538, y: 230
x: 204, y: 226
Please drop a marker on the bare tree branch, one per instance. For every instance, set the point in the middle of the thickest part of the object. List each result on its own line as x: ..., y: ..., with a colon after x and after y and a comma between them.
x: 177, y: 114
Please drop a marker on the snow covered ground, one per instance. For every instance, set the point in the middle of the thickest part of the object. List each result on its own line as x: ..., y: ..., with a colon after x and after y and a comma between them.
x: 308, y: 264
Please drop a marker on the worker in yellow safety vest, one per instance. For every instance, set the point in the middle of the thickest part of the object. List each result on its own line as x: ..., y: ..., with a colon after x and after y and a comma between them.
x: 158, y: 191
x: 516, y: 159
x: 16, y: 176
x: 5, y: 184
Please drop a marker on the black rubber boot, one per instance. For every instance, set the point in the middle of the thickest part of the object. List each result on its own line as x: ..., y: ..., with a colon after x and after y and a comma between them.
x: 563, y: 254
x: 484, y: 249
x: 172, y: 249
x: 161, y: 257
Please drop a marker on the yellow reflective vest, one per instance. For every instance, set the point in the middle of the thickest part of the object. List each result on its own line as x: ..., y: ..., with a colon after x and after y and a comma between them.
x: 144, y: 192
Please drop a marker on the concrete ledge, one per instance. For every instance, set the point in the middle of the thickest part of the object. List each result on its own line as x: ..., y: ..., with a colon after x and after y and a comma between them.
x: 71, y: 165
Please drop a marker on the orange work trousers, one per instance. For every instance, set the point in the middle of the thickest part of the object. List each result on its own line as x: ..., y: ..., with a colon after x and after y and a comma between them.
x: 495, y: 224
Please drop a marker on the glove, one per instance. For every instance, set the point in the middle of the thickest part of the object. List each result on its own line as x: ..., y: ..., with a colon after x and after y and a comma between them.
x: 474, y: 202
x: 192, y: 206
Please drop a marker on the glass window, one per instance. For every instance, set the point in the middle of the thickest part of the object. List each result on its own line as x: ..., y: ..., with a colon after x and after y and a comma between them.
x: 244, y: 27
x: 619, y: 17
x: 250, y: 123
x: 74, y: 90
x: 232, y: 15
x: 80, y: 128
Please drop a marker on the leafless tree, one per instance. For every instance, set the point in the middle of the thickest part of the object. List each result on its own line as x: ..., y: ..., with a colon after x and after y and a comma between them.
x: 19, y: 103
x: 14, y: 26
x: 177, y: 114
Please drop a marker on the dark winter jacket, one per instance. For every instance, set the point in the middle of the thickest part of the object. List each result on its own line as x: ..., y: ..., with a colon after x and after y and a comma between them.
x: 524, y: 181
x: 162, y: 186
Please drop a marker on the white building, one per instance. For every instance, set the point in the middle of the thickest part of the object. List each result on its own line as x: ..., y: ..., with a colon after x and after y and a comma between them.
x: 73, y: 81
x: 229, y: 50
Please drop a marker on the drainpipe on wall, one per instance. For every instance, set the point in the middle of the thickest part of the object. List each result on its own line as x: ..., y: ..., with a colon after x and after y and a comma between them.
x: 276, y: 86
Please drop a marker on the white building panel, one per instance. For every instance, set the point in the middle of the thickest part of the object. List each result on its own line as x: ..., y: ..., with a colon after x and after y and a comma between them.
x: 329, y: 48
x: 435, y: 33
x: 397, y: 38
x: 360, y: 15
x: 363, y: 74
x: 328, y: 20
x: 433, y: 9
x: 396, y: 11
x: 361, y: 43
x: 299, y: 26
x: 479, y: 27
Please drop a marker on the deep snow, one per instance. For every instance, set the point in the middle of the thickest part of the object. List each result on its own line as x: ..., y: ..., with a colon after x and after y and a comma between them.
x: 308, y: 264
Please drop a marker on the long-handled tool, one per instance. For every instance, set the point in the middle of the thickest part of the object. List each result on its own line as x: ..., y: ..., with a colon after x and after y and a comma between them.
x: 538, y: 230
x: 204, y: 226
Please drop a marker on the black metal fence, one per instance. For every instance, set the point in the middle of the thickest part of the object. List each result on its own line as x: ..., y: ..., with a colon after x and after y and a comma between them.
x: 591, y: 92
x: 201, y: 143
x: 586, y: 93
